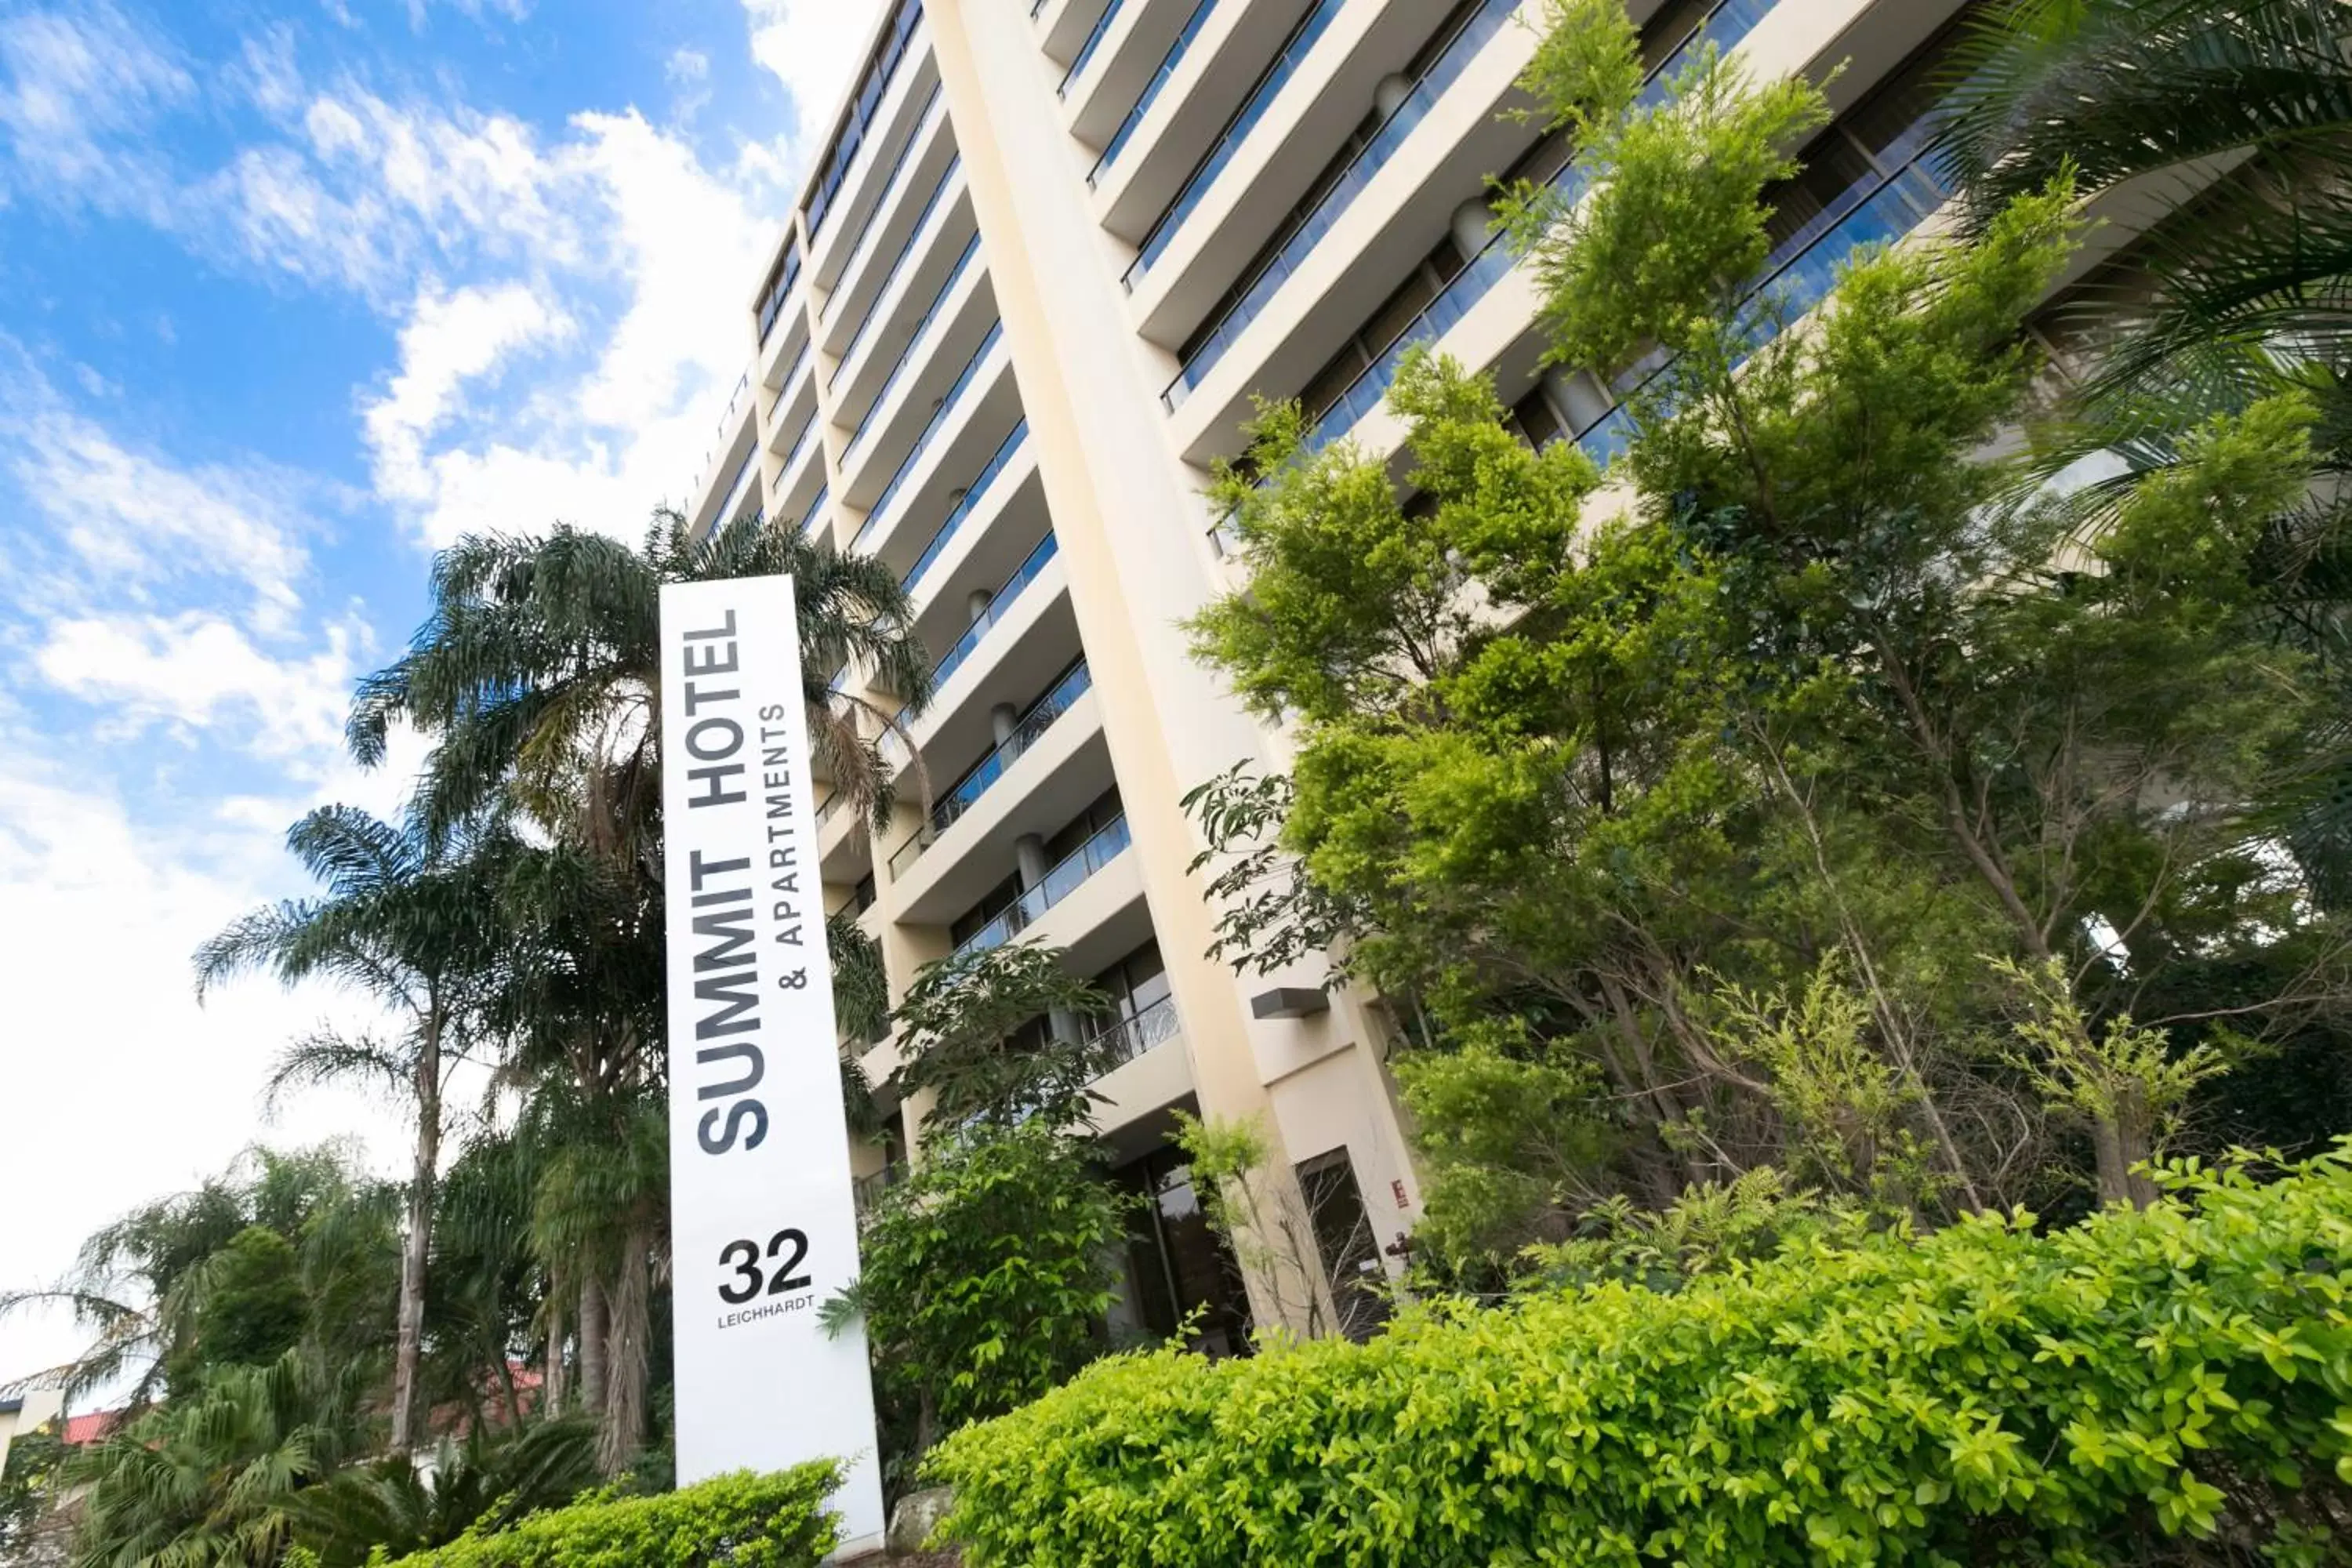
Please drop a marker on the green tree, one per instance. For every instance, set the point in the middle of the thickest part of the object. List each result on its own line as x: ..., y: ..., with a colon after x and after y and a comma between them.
x: 984, y: 1277
x: 405, y: 917
x: 1731, y: 785
x: 999, y: 1036
x: 540, y: 666
x: 481, y: 1484
x: 209, y: 1479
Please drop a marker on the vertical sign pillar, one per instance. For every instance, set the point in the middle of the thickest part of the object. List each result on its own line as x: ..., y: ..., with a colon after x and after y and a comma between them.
x: 763, y: 1229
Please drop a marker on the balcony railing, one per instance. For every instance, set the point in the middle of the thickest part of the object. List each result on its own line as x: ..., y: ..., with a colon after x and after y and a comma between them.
x: 800, y: 363
x: 1393, y: 132
x: 808, y: 518
x: 1725, y: 27
x: 840, y: 159
x: 745, y: 478
x: 828, y: 807
x: 967, y: 791
x: 999, y: 606
x: 772, y: 303
x: 914, y: 341
x: 889, y: 182
x: 1799, y: 275
x: 1057, y: 884
x: 1168, y: 64
x: 922, y: 442
x: 965, y: 503
x: 1126, y: 1037
x: 1086, y: 50
x: 1253, y: 109
x: 874, y: 310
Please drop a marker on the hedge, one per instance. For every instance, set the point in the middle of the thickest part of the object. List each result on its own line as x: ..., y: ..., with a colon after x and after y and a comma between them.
x: 744, y: 1519
x: 2170, y: 1385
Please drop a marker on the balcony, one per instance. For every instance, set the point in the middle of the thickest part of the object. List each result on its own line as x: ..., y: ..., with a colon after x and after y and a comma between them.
x: 1480, y: 29
x: 1041, y: 776
x: 792, y: 415
x: 1152, y: 1071
x: 1000, y: 603
x: 1878, y: 210
x: 911, y: 180
x: 1169, y: 61
x: 923, y: 346
x: 973, y: 502
x: 1193, y: 92
x: 1724, y: 27
x: 742, y: 498
x: 785, y: 345
x: 1317, y: 93
x: 1058, y: 883
x: 894, y: 89
x: 944, y: 223
x: 980, y: 404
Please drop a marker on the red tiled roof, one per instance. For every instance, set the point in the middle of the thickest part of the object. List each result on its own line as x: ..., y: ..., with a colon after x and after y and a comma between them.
x: 81, y: 1431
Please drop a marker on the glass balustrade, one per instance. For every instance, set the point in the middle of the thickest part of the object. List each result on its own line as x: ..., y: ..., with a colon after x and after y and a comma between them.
x: 966, y: 503
x: 874, y: 310
x: 1253, y: 109
x: 908, y: 355
x: 1086, y: 50
x: 890, y: 180
x: 1168, y: 64
x: 922, y: 442
x: 967, y: 791
x: 1392, y: 134
x: 808, y: 518
x: 1058, y: 883
x: 999, y: 605
x: 1800, y: 274
x: 1724, y: 27
x: 1126, y: 1037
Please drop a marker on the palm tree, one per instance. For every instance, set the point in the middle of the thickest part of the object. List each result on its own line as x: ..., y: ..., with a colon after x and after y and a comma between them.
x: 2250, y: 102
x: 540, y: 665
x: 208, y: 1480
x: 406, y: 917
x: 485, y: 1483
x: 141, y: 1284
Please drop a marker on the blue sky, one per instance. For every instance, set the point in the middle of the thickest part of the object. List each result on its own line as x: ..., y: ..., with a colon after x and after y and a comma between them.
x: 291, y: 294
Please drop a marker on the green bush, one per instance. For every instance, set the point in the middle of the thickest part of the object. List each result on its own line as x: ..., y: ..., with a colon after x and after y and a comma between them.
x: 2170, y: 1385
x: 743, y: 1521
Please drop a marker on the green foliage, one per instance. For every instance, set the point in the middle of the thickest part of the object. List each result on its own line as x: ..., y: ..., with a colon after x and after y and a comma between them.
x: 254, y: 1310
x: 28, y: 1485
x: 2164, y: 1385
x: 986, y: 1274
x: 1642, y: 254
x: 479, y: 1486
x: 1509, y: 1133
x: 974, y: 1035
x: 741, y: 1521
x: 210, y: 1478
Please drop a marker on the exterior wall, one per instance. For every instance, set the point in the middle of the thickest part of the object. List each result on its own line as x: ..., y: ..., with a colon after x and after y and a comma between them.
x: 977, y: 113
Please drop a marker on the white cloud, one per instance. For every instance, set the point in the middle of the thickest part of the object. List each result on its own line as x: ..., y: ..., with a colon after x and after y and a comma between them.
x: 811, y: 47
x: 196, y: 672
x: 77, y: 91
x: 118, y: 1087
x: 451, y: 339
x: 128, y: 524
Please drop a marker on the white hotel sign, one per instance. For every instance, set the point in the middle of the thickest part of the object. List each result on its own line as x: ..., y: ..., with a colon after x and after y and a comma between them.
x: 764, y: 1230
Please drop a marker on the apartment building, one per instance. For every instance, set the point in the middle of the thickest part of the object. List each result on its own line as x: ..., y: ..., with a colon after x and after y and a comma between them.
x: 1053, y: 253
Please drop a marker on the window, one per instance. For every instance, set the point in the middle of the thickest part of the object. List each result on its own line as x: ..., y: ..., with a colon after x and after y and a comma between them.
x: 1105, y: 811
x: 1344, y: 1240
x: 1367, y: 343
x: 1176, y: 1265
x: 835, y: 166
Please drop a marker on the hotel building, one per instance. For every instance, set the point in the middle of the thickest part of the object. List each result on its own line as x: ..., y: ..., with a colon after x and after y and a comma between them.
x: 1052, y: 255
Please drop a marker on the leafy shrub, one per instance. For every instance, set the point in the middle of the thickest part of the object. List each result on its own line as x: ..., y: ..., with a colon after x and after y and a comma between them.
x: 743, y: 1521
x: 2167, y: 1385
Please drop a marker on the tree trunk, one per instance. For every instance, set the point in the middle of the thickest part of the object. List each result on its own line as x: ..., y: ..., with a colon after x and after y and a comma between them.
x: 408, y: 1351
x: 555, y: 1391
x: 625, y: 1368
x: 2126, y: 1141
x: 592, y: 1346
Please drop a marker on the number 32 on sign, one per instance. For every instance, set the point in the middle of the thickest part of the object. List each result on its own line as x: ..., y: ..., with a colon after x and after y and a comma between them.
x: 787, y: 1250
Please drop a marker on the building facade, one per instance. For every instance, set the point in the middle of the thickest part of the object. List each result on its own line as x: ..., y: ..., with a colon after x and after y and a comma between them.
x: 1054, y: 253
